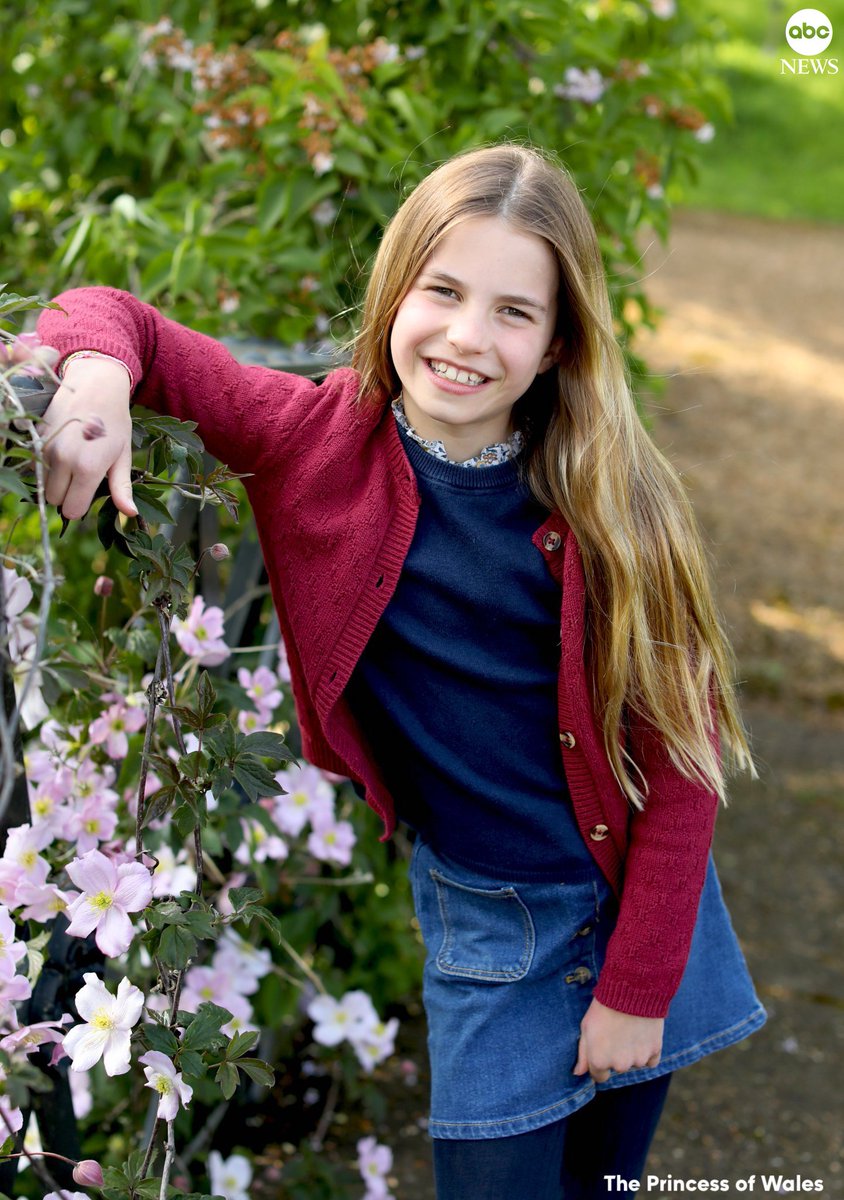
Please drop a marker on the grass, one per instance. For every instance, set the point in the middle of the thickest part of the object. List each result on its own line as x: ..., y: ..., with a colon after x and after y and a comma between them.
x: 782, y: 155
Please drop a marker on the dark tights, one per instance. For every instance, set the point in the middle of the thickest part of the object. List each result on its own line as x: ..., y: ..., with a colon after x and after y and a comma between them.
x: 611, y: 1135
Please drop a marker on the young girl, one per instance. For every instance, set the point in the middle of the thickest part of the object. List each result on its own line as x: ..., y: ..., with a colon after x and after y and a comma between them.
x: 500, y: 626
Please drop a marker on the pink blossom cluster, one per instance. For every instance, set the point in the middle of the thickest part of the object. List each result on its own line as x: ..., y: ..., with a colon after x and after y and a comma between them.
x: 235, y: 972
x: 309, y: 800
x: 262, y: 688
x: 353, y: 1018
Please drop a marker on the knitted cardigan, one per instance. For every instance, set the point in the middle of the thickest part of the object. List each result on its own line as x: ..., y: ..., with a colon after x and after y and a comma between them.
x: 335, y: 504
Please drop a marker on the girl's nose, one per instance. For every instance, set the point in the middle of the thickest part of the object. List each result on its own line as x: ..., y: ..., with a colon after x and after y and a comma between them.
x: 468, y: 332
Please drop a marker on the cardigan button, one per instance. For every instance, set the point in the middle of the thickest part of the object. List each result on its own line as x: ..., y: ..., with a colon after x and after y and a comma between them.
x: 568, y: 739
x: 599, y: 832
x: 552, y: 541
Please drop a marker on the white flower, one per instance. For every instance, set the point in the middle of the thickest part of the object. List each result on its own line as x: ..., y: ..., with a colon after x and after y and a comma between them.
x: 11, y: 951
x: 109, y: 1020
x: 663, y: 8
x: 230, y: 1177
x: 706, y: 132
x: 322, y: 162
x: 352, y: 1017
x: 376, y: 1043
x: 588, y: 86
x: 163, y: 1078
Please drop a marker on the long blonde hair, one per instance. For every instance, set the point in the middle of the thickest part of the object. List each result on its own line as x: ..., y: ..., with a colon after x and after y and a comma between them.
x: 656, y: 650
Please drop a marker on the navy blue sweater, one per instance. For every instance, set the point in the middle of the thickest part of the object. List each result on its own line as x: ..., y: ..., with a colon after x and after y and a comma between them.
x: 456, y: 690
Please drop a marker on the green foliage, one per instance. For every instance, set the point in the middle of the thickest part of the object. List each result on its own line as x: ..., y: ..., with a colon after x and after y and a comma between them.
x: 243, y: 160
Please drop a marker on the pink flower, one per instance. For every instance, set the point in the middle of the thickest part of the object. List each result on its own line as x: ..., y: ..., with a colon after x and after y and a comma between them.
x: 11, y: 951
x: 27, y: 352
x: 335, y: 1020
x: 92, y: 823
x: 283, y: 668
x: 219, y: 551
x: 308, y: 798
x: 13, y: 1117
x: 109, y: 894
x: 332, y: 841
x: 43, y: 901
x: 376, y: 1043
x: 261, y: 686
x: 112, y: 727
x: 103, y: 585
x: 201, y: 634
x: 29, y: 1037
x: 163, y: 1078
x: 258, y: 845
x: 21, y: 851
x: 374, y: 1162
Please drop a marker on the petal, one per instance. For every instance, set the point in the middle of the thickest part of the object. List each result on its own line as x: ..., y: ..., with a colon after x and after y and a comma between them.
x: 134, y: 887
x: 93, y: 872
x: 128, y: 1004
x: 168, y: 1106
x: 114, y: 933
x: 117, y: 1056
x: 85, y: 1046
x: 92, y: 996
x: 84, y: 917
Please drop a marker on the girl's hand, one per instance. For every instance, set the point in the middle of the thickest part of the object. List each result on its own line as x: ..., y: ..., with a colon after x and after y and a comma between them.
x: 617, y: 1041
x: 89, y: 428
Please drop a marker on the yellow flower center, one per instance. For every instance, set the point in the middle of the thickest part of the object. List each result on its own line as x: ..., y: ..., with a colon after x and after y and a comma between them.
x: 28, y: 859
x: 163, y: 1085
x: 300, y: 798
x: 103, y: 901
x: 92, y: 825
x: 42, y: 806
x: 330, y: 838
x: 102, y: 1019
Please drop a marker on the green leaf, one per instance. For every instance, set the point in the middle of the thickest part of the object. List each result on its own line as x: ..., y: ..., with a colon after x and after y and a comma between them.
x: 150, y: 506
x: 203, y: 1033
x: 267, y: 919
x: 228, y: 1079
x: 261, y: 1072
x: 254, y: 777
x: 267, y: 745
x: 161, y: 1039
x: 240, y: 897
x: 10, y: 481
x: 191, y: 1063
x: 176, y: 947
x: 242, y: 1043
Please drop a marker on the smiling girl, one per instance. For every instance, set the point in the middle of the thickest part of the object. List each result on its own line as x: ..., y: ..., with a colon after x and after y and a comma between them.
x: 500, y: 625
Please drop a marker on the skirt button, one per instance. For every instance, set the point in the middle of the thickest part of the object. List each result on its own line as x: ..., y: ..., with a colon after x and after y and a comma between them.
x: 579, y: 975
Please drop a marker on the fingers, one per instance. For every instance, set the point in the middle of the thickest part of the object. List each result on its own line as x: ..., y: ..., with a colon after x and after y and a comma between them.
x: 582, y: 1065
x: 120, y: 483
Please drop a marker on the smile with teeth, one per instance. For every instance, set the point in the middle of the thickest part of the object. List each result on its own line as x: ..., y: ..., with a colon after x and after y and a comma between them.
x: 446, y: 371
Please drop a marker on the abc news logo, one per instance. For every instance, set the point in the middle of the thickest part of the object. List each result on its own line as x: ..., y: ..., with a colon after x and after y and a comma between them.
x: 808, y: 33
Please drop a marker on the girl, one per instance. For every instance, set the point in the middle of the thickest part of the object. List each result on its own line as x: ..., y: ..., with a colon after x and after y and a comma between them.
x: 500, y: 626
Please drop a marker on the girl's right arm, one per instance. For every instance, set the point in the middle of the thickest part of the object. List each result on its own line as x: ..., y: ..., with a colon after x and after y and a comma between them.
x: 242, y: 413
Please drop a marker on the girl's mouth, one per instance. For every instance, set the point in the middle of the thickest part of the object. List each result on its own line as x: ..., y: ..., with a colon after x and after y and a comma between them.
x: 446, y: 371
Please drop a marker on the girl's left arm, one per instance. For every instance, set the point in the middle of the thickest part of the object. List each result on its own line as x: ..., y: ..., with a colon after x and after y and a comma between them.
x: 664, y: 873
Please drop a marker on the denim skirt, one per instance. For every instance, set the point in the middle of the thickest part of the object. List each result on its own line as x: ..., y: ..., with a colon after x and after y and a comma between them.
x: 509, y: 975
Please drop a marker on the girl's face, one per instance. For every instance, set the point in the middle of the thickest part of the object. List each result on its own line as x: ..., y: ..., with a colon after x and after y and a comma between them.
x: 474, y: 331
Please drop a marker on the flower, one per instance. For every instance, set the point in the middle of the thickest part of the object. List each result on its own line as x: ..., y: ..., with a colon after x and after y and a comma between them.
x: 705, y: 133
x: 109, y: 894
x: 12, y: 1118
x: 29, y: 353
x: 332, y: 841
x: 322, y: 162
x: 308, y: 798
x: 29, y: 1037
x: 335, y: 1020
x: 374, y: 1161
x: 376, y: 1043
x: 261, y: 686
x: 21, y: 851
x: 163, y: 1078
x: 588, y: 86
x: 108, y: 1022
x: 230, y: 1177
x: 664, y: 9
x: 42, y: 902
x: 11, y: 951
x: 258, y: 845
x: 201, y: 634
x: 119, y: 719
x: 66, y: 1195
x: 88, y: 1172
x: 103, y: 585
x: 219, y: 551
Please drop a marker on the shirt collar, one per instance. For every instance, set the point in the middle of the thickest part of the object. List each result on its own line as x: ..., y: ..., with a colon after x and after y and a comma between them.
x: 490, y: 456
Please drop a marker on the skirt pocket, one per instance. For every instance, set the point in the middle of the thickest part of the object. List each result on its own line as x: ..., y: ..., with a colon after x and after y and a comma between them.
x: 488, y: 933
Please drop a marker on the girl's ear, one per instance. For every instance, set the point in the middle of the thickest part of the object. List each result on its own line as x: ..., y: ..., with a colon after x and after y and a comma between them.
x: 552, y: 356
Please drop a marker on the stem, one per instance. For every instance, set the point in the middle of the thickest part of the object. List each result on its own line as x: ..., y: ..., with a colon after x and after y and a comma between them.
x: 169, y: 1155
x: 150, y: 1147
x: 328, y: 1112
x: 40, y: 1170
x: 142, y: 782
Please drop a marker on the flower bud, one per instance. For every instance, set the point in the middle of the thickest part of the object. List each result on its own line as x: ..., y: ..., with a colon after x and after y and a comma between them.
x: 219, y: 551
x: 93, y: 428
x: 103, y: 586
x: 88, y: 1172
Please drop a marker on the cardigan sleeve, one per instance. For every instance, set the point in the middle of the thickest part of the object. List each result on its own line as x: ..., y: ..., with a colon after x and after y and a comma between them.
x: 243, y: 413
x: 664, y: 873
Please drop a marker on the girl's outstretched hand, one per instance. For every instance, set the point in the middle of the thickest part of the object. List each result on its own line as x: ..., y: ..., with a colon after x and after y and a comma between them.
x: 88, y: 434
x: 617, y: 1041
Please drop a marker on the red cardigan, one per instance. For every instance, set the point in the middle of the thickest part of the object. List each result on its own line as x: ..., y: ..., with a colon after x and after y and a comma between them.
x: 335, y: 503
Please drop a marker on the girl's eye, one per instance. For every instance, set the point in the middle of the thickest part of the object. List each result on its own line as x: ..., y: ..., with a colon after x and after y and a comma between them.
x: 516, y: 312
x: 442, y: 290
